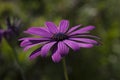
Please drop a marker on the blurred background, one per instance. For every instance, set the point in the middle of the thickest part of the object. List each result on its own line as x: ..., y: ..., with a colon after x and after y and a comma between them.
x: 98, y: 63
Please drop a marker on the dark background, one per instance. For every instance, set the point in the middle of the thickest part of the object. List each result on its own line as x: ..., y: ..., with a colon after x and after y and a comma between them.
x: 98, y: 63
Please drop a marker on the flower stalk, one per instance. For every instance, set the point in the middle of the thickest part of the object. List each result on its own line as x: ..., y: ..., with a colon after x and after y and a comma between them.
x: 65, y: 69
x: 18, y: 64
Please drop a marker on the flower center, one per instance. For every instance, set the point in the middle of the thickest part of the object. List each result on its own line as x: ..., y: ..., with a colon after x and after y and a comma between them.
x: 59, y: 37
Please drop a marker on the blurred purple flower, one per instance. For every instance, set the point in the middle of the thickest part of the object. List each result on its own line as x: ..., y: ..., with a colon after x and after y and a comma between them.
x: 58, y: 39
x: 1, y: 34
x: 12, y: 28
x: 12, y: 31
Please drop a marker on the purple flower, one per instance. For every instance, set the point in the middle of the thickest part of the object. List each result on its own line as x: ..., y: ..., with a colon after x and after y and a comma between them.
x: 12, y: 31
x: 58, y: 40
x: 1, y: 34
x: 12, y: 28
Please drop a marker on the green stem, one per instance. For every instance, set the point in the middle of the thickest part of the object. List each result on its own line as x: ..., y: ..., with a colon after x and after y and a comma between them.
x: 65, y: 69
x: 18, y: 64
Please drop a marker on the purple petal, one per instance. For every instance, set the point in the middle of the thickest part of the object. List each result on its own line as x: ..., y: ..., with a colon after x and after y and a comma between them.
x: 63, y: 26
x: 25, y: 43
x: 52, y: 27
x: 45, y: 28
x: 45, y: 49
x: 63, y: 48
x: 38, y: 31
x: 82, y: 30
x: 86, y: 36
x: 74, y: 45
x: 30, y: 38
x: 83, y: 45
x: 30, y: 41
x: 56, y: 57
x: 32, y: 45
x: 85, y: 40
x: 35, y: 54
x: 73, y: 29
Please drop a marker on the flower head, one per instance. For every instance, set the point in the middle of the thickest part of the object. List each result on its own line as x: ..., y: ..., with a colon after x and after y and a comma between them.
x: 1, y: 34
x: 58, y: 39
x: 12, y: 31
x: 12, y: 28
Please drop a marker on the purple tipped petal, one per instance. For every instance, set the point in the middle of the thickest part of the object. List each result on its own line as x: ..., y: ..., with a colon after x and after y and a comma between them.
x: 35, y: 54
x: 63, y: 26
x: 45, y: 49
x: 82, y: 30
x: 25, y: 43
x: 85, y: 40
x: 74, y: 45
x: 56, y: 57
x: 32, y: 45
x: 73, y: 29
x: 29, y: 41
x: 29, y: 38
x: 38, y: 31
x: 63, y: 48
x: 52, y: 27
x: 86, y: 36
x: 83, y: 45
x: 45, y: 28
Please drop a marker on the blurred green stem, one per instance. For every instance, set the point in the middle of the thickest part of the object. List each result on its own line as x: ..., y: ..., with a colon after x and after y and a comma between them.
x: 65, y: 69
x: 18, y: 64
